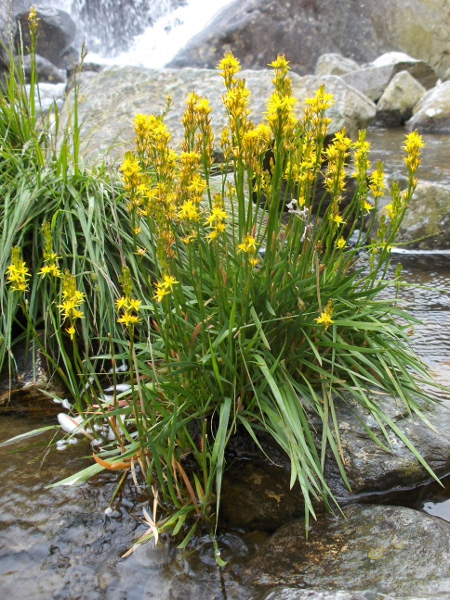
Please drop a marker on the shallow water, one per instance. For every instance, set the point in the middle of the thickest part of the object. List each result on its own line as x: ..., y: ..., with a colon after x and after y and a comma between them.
x: 386, y: 147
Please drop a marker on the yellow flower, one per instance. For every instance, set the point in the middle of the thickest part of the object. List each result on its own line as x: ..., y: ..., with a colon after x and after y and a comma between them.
x: 189, y: 212
x: 128, y: 319
x: 368, y: 206
x: 325, y: 318
x: 413, y: 145
x: 248, y: 245
x: 390, y: 211
x: 217, y: 215
x: 229, y: 66
x: 341, y: 243
x: 71, y: 331
x: 336, y: 218
x: 377, y: 184
x: 18, y: 272
x: 164, y: 287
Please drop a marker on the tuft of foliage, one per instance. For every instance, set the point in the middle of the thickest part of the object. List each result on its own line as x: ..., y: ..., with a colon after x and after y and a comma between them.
x: 230, y: 314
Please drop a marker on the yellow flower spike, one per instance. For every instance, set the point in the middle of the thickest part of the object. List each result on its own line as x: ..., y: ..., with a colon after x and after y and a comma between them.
x: 189, y: 212
x: 413, y: 146
x: 18, y: 272
x: 377, y: 183
x: 325, y: 318
x: 367, y: 206
x: 229, y: 66
x: 336, y: 218
x: 248, y: 245
x: 390, y: 211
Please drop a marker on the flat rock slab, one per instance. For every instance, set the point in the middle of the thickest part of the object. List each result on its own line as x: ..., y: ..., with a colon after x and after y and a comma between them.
x: 382, y: 549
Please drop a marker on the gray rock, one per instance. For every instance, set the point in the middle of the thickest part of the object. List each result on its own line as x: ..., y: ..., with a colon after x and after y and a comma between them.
x: 426, y: 224
x: 373, y: 79
x: 56, y: 32
x: 25, y: 390
x: 398, y: 100
x: 386, y: 551
x: 112, y: 98
x: 47, y: 72
x: 257, y: 30
x: 369, y: 468
x: 432, y: 113
x: 420, y: 70
x: 335, y: 64
x: 369, y: 80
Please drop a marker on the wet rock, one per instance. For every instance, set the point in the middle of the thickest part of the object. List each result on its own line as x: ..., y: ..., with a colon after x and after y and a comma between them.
x: 47, y: 72
x: 371, y: 469
x: 398, y: 100
x: 56, y: 32
x: 113, y: 98
x: 335, y: 64
x: 286, y: 593
x: 375, y: 550
x: 426, y: 224
x: 256, y: 495
x: 373, y: 79
x: 432, y: 113
x: 25, y: 391
x: 257, y: 30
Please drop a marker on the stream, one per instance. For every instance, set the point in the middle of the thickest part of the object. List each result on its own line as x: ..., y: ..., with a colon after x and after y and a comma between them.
x: 59, y: 543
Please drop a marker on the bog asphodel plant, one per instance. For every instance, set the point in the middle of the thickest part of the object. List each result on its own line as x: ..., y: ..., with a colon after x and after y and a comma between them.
x: 258, y: 311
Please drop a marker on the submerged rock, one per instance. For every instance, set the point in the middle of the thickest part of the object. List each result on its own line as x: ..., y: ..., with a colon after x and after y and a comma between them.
x: 374, y: 550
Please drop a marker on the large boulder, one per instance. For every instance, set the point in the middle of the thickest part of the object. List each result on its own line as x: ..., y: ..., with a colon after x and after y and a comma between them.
x: 398, y: 100
x: 373, y: 79
x: 392, y: 552
x: 112, y: 98
x: 257, y: 30
x: 432, y: 113
x: 56, y: 32
x: 335, y: 64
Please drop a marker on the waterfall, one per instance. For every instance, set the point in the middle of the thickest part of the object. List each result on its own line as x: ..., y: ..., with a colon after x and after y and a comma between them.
x: 138, y: 32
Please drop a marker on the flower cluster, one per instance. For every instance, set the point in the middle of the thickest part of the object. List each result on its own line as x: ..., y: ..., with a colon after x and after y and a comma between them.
x: 325, y: 318
x: 18, y: 272
x: 127, y: 306
x: 216, y: 219
x: 164, y: 287
x: 413, y: 146
x: 72, y: 300
x: 51, y: 266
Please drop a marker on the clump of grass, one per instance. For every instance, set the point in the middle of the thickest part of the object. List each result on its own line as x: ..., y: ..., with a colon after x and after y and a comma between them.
x: 229, y: 315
